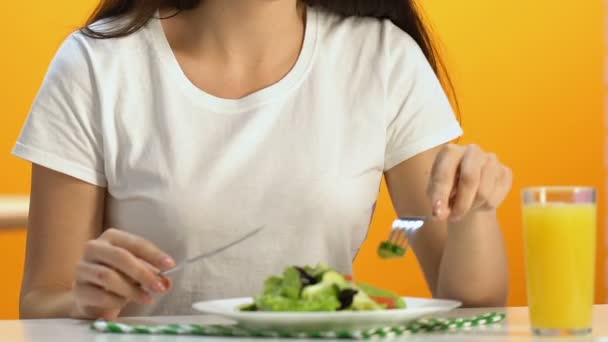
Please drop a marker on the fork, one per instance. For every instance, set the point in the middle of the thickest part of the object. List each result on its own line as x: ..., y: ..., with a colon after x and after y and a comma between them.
x: 399, y: 239
x: 201, y: 256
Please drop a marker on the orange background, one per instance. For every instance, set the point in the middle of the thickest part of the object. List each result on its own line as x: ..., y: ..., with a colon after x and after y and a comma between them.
x: 530, y: 80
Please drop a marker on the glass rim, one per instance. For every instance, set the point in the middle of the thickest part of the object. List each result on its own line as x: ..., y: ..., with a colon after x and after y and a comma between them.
x: 557, y: 188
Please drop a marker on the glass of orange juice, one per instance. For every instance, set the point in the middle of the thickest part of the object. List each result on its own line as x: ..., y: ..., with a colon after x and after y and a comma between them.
x: 560, y: 231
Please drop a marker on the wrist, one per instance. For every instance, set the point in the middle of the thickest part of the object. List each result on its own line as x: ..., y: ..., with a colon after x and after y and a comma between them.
x: 75, y: 311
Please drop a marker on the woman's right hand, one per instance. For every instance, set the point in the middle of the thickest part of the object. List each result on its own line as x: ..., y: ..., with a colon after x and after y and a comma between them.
x: 118, y: 268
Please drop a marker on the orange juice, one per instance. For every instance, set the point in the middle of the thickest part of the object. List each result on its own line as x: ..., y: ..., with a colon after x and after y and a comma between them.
x: 560, y: 264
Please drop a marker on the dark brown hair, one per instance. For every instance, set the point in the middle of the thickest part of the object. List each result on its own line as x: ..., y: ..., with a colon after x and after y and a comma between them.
x: 403, y: 13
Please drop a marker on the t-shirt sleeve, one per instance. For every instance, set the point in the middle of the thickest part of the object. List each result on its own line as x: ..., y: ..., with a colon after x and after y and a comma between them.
x: 63, y: 129
x: 418, y: 111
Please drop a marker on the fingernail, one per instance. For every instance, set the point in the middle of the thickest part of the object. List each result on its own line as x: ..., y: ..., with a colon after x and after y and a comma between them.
x: 159, y: 286
x: 455, y: 218
x: 437, y: 209
x: 167, y: 262
x: 167, y: 283
x: 147, y: 299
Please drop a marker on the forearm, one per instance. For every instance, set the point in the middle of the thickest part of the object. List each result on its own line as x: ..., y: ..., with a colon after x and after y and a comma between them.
x: 48, y: 303
x: 474, y: 265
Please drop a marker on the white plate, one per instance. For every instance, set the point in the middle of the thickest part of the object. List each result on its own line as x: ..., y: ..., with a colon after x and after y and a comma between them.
x: 323, y: 321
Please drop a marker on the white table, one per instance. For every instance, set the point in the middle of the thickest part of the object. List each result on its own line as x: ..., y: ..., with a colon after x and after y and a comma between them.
x: 516, y: 328
x: 13, y: 211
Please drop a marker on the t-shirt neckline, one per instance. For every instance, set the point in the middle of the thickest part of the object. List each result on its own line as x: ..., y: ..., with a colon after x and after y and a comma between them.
x: 268, y: 94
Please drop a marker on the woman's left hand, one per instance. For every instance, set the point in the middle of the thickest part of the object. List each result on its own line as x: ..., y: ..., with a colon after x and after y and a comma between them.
x: 466, y: 179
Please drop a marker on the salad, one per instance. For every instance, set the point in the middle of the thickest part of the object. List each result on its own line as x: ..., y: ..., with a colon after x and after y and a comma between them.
x: 320, y: 288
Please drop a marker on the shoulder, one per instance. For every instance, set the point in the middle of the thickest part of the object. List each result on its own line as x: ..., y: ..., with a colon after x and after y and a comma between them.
x: 380, y: 36
x: 80, y: 51
x: 372, y: 43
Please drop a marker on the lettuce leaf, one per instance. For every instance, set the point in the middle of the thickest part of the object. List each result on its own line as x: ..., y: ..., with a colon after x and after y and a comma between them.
x: 373, y: 291
x: 291, y: 285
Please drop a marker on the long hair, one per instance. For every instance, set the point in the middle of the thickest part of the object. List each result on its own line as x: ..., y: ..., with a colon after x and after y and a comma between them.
x: 403, y: 13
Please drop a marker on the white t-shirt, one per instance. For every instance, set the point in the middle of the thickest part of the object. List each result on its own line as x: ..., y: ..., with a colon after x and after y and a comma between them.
x: 190, y: 171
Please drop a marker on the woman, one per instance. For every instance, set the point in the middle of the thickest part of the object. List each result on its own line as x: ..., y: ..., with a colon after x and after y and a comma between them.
x: 153, y: 140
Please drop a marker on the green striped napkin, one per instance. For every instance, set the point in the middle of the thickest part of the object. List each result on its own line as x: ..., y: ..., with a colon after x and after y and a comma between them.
x: 426, y: 325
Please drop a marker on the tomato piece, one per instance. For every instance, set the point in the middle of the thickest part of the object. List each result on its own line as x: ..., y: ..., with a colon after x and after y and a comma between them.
x: 391, y: 303
x: 348, y: 277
